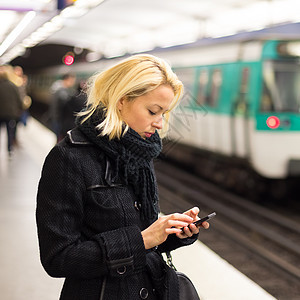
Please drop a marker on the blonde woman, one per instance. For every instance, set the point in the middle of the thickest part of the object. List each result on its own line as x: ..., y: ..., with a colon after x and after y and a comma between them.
x: 97, y: 202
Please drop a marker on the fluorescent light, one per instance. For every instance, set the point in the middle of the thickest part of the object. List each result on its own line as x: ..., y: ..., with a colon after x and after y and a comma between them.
x: 87, y: 3
x: 16, y: 32
x: 93, y: 56
x: 73, y: 12
x: 28, y: 5
x: 27, y: 43
x: 78, y: 9
x: 8, y: 18
x: 51, y: 27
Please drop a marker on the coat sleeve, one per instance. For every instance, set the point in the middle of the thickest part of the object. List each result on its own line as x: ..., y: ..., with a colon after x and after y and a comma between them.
x: 173, y: 242
x: 64, y: 251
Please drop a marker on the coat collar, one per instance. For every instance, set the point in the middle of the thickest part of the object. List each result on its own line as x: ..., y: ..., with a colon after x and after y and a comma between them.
x: 76, y: 137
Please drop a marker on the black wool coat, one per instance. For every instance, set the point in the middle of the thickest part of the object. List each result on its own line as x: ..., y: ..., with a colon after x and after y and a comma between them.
x: 89, y: 228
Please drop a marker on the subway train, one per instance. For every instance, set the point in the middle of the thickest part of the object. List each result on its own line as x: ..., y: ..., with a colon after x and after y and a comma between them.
x: 238, y: 123
x: 242, y: 111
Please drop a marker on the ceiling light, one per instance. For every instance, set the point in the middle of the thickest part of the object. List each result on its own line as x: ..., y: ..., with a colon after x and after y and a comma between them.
x: 87, y: 3
x: 16, y: 32
x: 93, y: 56
x: 73, y: 12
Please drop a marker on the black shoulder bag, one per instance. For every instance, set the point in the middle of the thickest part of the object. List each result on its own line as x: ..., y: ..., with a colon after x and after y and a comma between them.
x: 187, y: 290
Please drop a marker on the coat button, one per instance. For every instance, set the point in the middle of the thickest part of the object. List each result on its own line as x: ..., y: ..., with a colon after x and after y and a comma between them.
x: 144, y: 293
x: 137, y: 205
x: 121, y: 270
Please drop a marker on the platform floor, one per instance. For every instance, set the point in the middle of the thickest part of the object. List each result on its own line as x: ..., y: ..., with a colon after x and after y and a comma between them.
x: 21, y: 274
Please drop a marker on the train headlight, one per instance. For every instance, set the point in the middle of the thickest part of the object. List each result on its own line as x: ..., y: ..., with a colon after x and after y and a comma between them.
x: 273, y: 122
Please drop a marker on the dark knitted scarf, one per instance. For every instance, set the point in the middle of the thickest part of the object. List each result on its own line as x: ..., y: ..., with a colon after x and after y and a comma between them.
x: 132, y: 158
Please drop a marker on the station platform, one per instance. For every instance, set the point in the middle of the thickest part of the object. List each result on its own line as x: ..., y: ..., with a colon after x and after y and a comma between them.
x: 21, y: 274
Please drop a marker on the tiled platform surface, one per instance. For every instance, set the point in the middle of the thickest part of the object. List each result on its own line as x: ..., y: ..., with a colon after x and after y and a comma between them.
x: 21, y: 274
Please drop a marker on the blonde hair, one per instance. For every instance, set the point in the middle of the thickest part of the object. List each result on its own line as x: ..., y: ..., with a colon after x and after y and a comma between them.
x: 130, y: 78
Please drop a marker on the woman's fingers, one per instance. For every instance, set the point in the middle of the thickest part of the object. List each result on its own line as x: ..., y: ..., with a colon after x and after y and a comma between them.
x: 193, y: 213
x: 158, y: 232
x: 205, y: 225
x: 182, y: 217
x: 188, y: 231
x: 179, y: 224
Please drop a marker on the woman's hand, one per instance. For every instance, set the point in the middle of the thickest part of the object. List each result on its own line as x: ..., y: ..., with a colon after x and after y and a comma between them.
x: 158, y: 232
x: 192, y: 229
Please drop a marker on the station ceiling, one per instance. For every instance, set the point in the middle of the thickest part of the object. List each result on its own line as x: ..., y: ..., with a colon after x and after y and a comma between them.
x: 114, y: 27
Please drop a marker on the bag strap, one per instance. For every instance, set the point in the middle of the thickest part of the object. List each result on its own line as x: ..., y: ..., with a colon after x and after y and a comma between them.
x: 170, y: 261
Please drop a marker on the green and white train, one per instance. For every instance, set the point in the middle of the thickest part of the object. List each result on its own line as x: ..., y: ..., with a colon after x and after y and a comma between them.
x: 239, y: 119
x: 242, y: 100
x: 241, y: 110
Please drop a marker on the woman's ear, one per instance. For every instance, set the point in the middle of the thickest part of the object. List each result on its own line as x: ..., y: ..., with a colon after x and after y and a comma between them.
x: 120, y: 103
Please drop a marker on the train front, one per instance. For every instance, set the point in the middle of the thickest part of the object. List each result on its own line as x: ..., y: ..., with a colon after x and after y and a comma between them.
x: 277, y: 134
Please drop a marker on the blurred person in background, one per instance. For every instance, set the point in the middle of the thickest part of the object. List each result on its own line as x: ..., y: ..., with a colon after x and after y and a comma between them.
x: 61, y: 94
x: 97, y: 201
x: 73, y: 106
x: 21, y: 83
x: 17, y: 77
x: 11, y: 105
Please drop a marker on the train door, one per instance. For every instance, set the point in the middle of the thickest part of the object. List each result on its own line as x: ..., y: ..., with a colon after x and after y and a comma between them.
x: 240, y: 116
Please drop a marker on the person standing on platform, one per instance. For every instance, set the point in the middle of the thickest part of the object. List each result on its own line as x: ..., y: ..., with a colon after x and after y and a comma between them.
x: 10, y: 106
x: 64, y: 92
x: 97, y: 201
x: 16, y: 76
x: 21, y: 83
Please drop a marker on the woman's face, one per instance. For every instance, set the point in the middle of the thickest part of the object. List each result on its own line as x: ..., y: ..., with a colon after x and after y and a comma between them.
x: 144, y: 114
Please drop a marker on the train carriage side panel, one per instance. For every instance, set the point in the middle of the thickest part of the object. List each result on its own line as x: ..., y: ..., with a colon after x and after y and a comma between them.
x: 215, y: 88
x: 205, y: 117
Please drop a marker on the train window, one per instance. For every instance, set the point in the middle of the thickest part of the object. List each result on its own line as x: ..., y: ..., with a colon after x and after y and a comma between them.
x: 186, y: 75
x: 216, y: 82
x: 202, y: 87
x: 241, y: 105
x: 244, y: 81
x: 266, y: 104
x: 281, y: 90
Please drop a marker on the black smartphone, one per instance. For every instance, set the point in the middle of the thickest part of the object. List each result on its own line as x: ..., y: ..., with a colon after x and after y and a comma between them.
x: 200, y: 221
x: 208, y: 217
